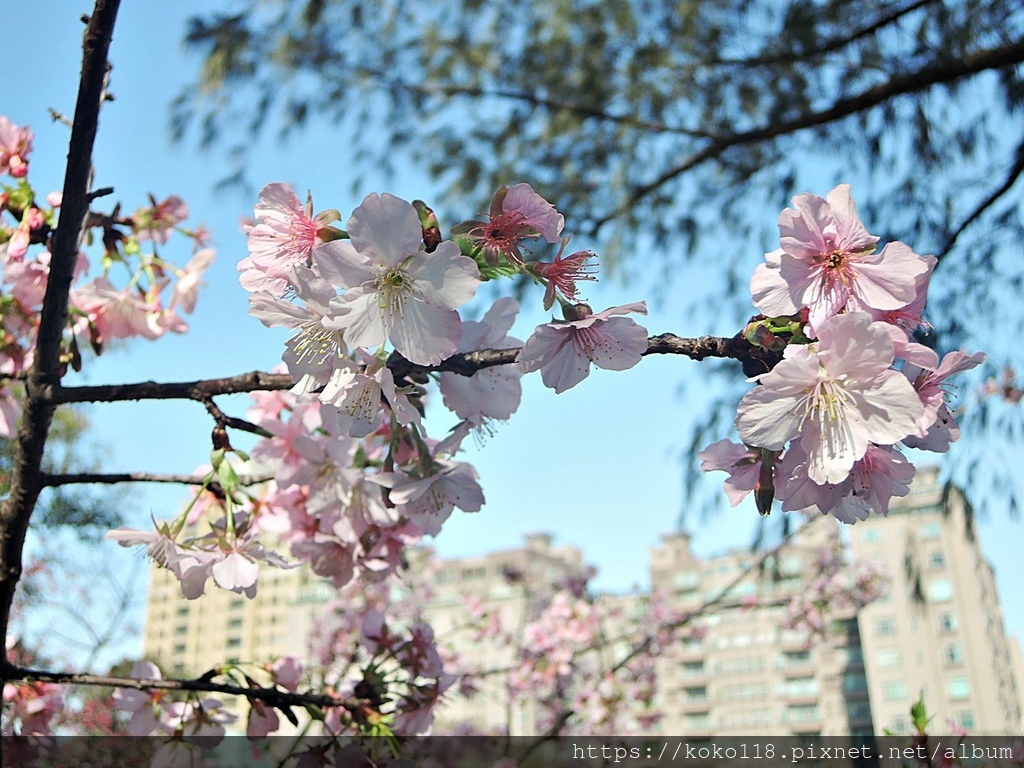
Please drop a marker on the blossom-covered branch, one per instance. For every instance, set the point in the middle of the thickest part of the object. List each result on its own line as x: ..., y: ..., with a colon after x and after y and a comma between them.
x: 273, y: 696
x: 110, y: 478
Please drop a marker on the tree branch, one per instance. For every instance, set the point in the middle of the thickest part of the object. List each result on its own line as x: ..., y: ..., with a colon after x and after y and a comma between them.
x: 942, y: 71
x: 111, y: 478
x: 199, y: 390
x: 1011, y: 178
x: 272, y: 696
x: 464, y: 363
x: 821, y: 48
x: 26, y: 477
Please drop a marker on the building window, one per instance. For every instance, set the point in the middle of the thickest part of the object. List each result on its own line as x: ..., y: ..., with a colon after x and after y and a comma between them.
x: 235, y: 622
x: 854, y: 681
x: 179, y: 648
x: 686, y: 581
x: 958, y: 688
x: 696, y: 694
x: 183, y: 610
x: 802, y: 686
x: 698, y: 721
x: 947, y: 622
x: 930, y: 531
x: 889, y: 657
x: 869, y: 535
x: 234, y: 642
x: 860, y: 710
x: 966, y: 719
x: 954, y: 654
x: 796, y: 658
x: 693, y: 668
x: 937, y: 560
x: 181, y: 629
x: 895, y: 691
x: 886, y: 625
x: 802, y: 713
x: 940, y: 590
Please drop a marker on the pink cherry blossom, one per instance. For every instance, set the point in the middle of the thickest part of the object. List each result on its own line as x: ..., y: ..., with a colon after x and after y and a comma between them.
x: 314, y: 350
x: 884, y: 472
x: 491, y: 393
x: 187, y: 287
x: 15, y: 145
x: 395, y: 290
x: 10, y: 410
x: 742, y: 463
x: 429, y: 501
x: 563, y: 274
x: 564, y: 350
x: 517, y: 213
x: 116, y: 314
x: 936, y: 428
x: 827, y: 263
x: 356, y: 396
x: 836, y: 396
x: 284, y: 235
x: 158, y: 221
x: 287, y: 672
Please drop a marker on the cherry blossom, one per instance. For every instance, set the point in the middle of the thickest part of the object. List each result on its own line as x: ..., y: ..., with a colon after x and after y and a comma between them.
x: 745, y: 466
x: 158, y: 221
x: 316, y: 348
x: 936, y: 428
x: 517, y: 213
x: 116, y: 313
x: 394, y: 290
x: 429, y: 501
x: 836, y: 396
x: 562, y: 274
x: 284, y: 235
x: 564, y: 350
x: 15, y: 145
x: 495, y: 392
x: 187, y: 288
x: 827, y: 263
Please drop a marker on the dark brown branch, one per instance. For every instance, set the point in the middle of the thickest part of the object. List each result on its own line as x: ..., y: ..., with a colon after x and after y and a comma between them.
x: 26, y: 476
x: 111, y: 478
x: 224, y: 421
x: 943, y: 71
x: 256, y: 381
x: 275, y: 698
x: 464, y: 363
x: 821, y: 48
x: 1011, y: 178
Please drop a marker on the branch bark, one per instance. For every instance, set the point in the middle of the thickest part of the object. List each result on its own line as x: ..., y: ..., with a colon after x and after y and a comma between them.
x: 112, y: 478
x: 26, y: 477
x: 464, y: 363
x: 941, y: 71
x: 272, y: 696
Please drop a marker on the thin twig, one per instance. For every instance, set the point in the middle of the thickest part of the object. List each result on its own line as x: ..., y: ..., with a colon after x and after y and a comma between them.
x: 1011, y: 178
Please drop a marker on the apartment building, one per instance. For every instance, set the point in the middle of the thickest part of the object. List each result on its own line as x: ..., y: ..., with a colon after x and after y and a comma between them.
x: 940, y: 631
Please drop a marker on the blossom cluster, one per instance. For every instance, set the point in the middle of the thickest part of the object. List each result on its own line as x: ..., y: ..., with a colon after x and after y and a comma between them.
x: 823, y: 430
x: 355, y: 477
x: 146, y: 298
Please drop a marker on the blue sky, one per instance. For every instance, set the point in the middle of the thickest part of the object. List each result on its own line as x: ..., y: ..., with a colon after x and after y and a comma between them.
x: 599, y: 466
